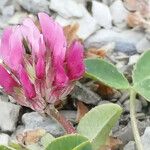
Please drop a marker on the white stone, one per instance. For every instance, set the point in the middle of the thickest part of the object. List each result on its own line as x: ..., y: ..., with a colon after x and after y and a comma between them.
x: 66, y: 8
x: 118, y: 12
x: 143, y: 45
x: 107, y: 2
x: 87, y: 25
x: 8, y: 11
x: 4, y: 139
x: 35, y: 6
x: 17, y: 18
x: 133, y: 59
x: 8, y: 116
x: 130, y: 146
x: 3, y: 3
x: 104, y: 36
x: 101, y: 14
x: 146, y: 139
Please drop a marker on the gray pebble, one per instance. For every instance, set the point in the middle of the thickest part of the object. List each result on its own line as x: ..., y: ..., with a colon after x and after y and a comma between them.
x: 34, y: 120
x: 35, y: 6
x: 138, y: 107
x: 84, y: 94
x: 125, y: 47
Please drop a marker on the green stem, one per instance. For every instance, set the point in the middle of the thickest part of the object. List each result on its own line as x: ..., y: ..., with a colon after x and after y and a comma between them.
x: 133, y: 120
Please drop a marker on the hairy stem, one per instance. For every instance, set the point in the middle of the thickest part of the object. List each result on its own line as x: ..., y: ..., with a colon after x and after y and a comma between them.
x: 67, y: 125
x: 133, y: 120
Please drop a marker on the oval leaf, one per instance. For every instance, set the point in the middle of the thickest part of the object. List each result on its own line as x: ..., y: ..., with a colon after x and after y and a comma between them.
x: 106, y: 73
x: 97, y: 123
x: 141, y: 75
x: 84, y: 146
x: 143, y: 88
x: 142, y: 68
x: 67, y: 142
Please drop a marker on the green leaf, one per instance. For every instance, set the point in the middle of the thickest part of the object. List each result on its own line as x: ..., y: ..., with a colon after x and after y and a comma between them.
x: 67, y: 142
x: 97, y: 123
x: 106, y: 73
x: 3, y: 147
x: 84, y: 146
x: 143, y: 88
x: 17, y: 146
x: 141, y: 75
x: 47, y: 139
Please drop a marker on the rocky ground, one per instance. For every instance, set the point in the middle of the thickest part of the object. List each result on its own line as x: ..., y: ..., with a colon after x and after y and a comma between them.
x: 120, y: 28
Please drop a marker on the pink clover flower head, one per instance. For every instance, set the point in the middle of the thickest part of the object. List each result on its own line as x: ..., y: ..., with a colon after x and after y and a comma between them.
x: 39, y: 67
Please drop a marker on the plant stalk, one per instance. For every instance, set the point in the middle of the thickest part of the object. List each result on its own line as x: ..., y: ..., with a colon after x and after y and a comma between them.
x: 66, y: 124
x: 134, y: 121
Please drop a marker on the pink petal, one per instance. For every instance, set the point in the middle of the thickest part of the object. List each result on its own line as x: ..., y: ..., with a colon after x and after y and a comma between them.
x: 42, y: 47
x: 53, y: 35
x: 6, y: 81
x: 74, y: 60
x: 16, y: 50
x: 60, y: 79
x: 40, y: 68
x: 4, y: 48
x: 31, y: 33
x: 26, y: 83
x: 56, y: 42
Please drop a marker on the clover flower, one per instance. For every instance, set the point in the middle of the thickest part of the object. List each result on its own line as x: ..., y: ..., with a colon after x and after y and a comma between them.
x: 38, y: 66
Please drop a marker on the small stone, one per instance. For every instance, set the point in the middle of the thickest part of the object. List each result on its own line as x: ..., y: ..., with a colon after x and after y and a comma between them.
x: 8, y: 116
x: 125, y: 41
x: 4, y: 98
x: 125, y: 134
x: 100, y: 38
x: 146, y: 139
x: 8, y: 11
x: 35, y: 6
x: 138, y: 106
x: 119, y: 13
x: 130, y: 146
x: 67, y: 8
x: 69, y: 115
x: 116, y: 95
x: 34, y: 120
x: 81, y: 93
x: 125, y: 47
x: 143, y: 100
x: 3, y: 3
x: 108, y: 2
x: 4, y: 139
x: 12, y: 100
x: 103, y: 102
x: 140, y: 116
x: 17, y: 18
x: 87, y: 25
x: 120, y: 65
x: 133, y: 59
x: 101, y: 14
x: 124, y: 97
x: 113, y: 100
x: 143, y: 45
